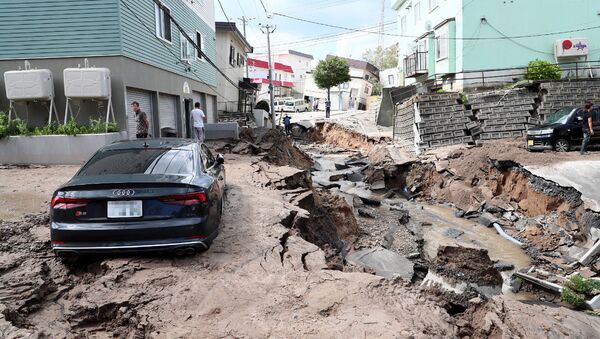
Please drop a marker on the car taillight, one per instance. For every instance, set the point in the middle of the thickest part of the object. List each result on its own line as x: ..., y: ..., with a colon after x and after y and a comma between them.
x: 185, y: 199
x: 64, y: 203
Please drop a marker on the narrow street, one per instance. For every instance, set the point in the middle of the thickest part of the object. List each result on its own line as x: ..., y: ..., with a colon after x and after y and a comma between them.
x: 259, y: 279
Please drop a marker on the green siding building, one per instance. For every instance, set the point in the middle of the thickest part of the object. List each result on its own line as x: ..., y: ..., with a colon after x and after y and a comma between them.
x: 150, y: 61
x: 460, y: 42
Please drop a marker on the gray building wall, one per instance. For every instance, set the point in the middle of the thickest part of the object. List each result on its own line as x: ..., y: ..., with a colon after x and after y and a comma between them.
x: 125, y: 73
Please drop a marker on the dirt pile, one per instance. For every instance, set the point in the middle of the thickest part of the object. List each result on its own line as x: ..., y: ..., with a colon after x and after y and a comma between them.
x: 337, y: 135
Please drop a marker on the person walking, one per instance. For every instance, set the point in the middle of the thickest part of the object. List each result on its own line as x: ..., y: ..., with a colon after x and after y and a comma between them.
x: 287, y: 121
x: 198, y: 118
x: 587, y: 126
x: 141, y: 121
x: 327, y: 109
x: 316, y: 105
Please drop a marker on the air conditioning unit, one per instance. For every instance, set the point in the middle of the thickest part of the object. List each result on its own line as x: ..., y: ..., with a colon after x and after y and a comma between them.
x: 31, y: 84
x: 565, y: 48
x: 87, y: 83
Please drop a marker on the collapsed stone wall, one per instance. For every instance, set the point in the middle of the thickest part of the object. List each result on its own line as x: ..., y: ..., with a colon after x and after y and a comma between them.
x: 559, y: 94
x: 434, y: 120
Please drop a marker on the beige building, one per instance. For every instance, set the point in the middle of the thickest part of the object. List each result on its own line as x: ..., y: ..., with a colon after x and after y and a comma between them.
x: 349, y: 95
x: 232, y: 55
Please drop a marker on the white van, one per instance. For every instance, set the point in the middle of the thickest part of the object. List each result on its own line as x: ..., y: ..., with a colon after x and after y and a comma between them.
x: 297, y: 105
x: 279, y: 104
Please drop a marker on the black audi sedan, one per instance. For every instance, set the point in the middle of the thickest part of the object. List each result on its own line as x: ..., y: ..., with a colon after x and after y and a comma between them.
x: 562, y: 131
x: 143, y: 195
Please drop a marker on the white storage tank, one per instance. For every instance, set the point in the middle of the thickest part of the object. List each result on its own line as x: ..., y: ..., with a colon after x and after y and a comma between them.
x: 31, y: 84
x: 87, y: 83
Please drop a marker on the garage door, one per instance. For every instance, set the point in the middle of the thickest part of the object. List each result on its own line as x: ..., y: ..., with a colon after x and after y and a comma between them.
x: 145, y: 100
x: 167, y: 114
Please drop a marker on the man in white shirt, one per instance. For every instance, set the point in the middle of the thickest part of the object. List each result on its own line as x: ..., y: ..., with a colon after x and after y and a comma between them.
x: 198, y: 118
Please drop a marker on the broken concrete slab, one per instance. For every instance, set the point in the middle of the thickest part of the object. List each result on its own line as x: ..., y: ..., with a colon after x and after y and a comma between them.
x: 452, y: 233
x: 378, y: 185
x: 367, y: 213
x: 340, y: 166
x: 539, y: 282
x: 504, y: 267
x: 590, y: 255
x: 355, y: 177
x: 384, y: 262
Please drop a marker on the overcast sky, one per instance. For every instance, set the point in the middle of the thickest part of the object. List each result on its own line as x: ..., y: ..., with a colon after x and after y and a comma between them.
x: 345, y: 13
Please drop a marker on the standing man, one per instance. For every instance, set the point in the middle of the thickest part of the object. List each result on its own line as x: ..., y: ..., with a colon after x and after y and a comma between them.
x: 141, y: 121
x: 327, y: 108
x: 198, y: 118
x: 287, y: 123
x: 587, y: 126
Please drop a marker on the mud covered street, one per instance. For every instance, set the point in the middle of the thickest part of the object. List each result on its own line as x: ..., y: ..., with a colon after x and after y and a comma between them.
x: 292, y: 258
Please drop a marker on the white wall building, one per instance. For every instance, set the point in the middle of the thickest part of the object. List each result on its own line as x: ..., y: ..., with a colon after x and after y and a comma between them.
x: 232, y: 53
x: 282, y: 78
x: 391, y: 77
x: 301, y: 64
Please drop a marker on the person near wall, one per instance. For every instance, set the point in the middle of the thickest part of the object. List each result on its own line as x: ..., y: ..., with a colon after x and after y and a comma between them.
x: 287, y: 122
x: 327, y: 109
x: 586, y: 126
x: 316, y: 105
x: 198, y: 118
x: 141, y: 121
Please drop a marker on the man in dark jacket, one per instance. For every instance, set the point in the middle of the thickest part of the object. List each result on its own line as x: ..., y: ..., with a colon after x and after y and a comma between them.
x: 587, y: 126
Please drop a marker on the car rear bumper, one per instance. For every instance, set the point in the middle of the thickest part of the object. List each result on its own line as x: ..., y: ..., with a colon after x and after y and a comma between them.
x: 135, y: 236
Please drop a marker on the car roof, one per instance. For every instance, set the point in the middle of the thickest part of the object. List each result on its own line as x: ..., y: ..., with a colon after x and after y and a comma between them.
x: 150, y: 143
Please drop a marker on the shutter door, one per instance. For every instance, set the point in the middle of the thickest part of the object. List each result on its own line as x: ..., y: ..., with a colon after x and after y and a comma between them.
x: 145, y: 100
x: 167, y: 113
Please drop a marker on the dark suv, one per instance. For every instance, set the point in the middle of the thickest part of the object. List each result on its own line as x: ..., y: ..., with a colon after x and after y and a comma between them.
x: 562, y: 131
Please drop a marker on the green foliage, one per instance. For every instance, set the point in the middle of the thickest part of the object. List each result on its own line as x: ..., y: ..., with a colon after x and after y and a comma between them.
x: 19, y: 127
x: 542, y: 70
x: 377, y: 87
x: 382, y: 58
x: 576, y: 289
x: 263, y: 105
x: 331, y: 72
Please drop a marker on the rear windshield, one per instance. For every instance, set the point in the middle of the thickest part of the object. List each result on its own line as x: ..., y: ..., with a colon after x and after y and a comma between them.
x: 140, y: 161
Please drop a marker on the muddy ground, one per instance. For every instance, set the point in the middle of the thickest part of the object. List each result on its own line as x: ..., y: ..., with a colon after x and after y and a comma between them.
x: 261, y: 278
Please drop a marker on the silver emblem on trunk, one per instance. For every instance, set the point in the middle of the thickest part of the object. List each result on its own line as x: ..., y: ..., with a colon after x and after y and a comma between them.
x: 123, y: 193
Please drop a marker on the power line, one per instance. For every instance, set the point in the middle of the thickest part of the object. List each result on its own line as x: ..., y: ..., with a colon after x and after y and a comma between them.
x: 516, y: 42
x: 223, y: 10
x: 265, y: 8
x: 447, y: 38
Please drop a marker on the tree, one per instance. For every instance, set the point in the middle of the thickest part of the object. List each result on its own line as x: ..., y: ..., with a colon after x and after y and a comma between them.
x: 382, y: 59
x: 331, y: 72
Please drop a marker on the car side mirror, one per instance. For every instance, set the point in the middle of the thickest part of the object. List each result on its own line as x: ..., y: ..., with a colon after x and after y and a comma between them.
x: 220, y: 159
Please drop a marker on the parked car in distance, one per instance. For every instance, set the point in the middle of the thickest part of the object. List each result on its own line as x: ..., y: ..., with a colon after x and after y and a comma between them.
x: 563, y: 131
x: 143, y: 195
x: 297, y: 105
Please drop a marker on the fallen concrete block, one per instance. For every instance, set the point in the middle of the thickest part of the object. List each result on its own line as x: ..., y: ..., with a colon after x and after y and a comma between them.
x: 589, y: 255
x: 384, y: 262
x: 539, y: 282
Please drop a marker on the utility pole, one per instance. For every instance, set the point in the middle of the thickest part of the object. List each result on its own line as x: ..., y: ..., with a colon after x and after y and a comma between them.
x: 268, y: 30
x: 244, y: 22
x: 382, y: 33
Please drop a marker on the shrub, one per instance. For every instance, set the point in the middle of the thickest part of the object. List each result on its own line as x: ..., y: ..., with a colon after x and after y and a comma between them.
x: 263, y: 105
x: 577, y: 289
x: 19, y: 127
x: 542, y: 70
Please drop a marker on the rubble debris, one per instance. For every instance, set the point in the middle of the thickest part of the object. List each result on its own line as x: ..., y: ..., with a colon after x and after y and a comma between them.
x: 385, y: 263
x: 340, y: 166
x: 587, y: 258
x: 504, y: 267
x: 367, y: 213
x: 452, y: 233
x: 464, y: 272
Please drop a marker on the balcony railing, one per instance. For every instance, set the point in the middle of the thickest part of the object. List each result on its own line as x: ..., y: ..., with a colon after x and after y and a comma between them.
x: 415, y: 64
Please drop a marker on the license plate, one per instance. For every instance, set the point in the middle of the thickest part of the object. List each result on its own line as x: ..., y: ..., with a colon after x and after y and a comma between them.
x: 530, y: 142
x: 125, y: 209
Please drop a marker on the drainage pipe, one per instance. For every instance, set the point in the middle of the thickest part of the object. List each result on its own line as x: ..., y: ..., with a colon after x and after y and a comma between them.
x: 506, y: 236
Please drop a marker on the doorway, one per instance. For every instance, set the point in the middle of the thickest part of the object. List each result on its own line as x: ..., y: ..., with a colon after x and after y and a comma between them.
x: 189, y: 104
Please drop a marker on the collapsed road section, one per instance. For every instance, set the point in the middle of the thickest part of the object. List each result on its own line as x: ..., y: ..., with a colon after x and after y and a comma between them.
x: 323, y: 239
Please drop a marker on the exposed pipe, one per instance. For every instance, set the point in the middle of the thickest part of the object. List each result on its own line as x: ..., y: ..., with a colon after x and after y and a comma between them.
x: 506, y: 236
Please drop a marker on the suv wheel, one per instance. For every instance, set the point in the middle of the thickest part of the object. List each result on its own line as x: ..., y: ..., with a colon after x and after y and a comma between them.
x: 562, y: 145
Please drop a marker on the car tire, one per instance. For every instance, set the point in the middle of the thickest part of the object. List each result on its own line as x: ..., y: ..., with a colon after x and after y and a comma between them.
x: 562, y: 145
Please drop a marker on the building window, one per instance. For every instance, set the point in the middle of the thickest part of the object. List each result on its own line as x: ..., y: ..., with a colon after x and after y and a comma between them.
x: 232, y: 55
x: 345, y: 85
x: 200, y: 43
x: 441, y: 46
x: 162, y: 22
x: 367, y: 90
x: 433, y: 4
x: 417, y: 12
x: 367, y: 77
x: 187, y: 50
x: 403, y: 25
x: 391, y: 79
